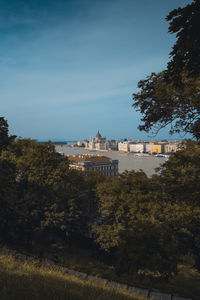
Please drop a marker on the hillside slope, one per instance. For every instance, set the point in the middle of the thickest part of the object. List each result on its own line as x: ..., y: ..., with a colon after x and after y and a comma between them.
x: 30, y: 281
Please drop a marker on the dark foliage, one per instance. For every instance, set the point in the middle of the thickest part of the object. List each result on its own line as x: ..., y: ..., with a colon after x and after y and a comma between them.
x: 172, y: 97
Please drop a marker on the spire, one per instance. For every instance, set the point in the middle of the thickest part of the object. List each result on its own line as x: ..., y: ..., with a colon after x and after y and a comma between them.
x: 98, y: 135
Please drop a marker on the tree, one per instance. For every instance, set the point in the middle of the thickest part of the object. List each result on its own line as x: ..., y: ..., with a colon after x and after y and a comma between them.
x: 39, y: 169
x: 5, y: 139
x: 185, y: 54
x: 51, y: 197
x: 8, y: 187
x: 75, y: 208
x: 148, y: 248
x: 133, y: 227
x: 172, y: 97
x: 8, y: 200
x: 180, y: 177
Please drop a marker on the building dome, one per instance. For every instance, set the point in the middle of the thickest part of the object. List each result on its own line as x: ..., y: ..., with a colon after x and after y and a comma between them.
x: 98, y: 135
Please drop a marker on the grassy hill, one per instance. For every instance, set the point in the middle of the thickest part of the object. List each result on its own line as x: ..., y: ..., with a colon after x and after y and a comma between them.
x: 31, y: 281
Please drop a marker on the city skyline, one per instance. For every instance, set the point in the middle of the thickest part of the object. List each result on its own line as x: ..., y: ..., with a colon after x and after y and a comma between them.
x: 69, y: 68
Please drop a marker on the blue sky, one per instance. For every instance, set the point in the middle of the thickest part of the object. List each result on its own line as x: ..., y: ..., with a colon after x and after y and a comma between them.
x: 69, y: 67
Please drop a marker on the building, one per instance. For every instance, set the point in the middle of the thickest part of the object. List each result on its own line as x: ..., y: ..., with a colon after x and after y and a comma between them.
x: 171, y: 147
x: 149, y: 148
x: 123, y: 146
x: 137, y: 148
x: 87, y: 163
x: 112, y: 145
x: 158, y: 148
x: 82, y: 143
x: 100, y: 143
x: 97, y: 143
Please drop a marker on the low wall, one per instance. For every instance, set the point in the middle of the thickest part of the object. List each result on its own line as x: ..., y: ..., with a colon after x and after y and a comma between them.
x: 154, y: 294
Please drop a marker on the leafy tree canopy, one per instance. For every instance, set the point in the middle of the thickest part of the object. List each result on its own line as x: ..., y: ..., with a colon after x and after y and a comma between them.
x: 185, y: 22
x: 5, y: 139
x: 135, y: 224
x: 50, y: 196
x: 172, y: 97
x: 180, y: 175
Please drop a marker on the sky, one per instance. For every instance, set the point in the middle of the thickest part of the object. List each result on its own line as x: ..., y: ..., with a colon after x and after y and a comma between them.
x: 68, y: 68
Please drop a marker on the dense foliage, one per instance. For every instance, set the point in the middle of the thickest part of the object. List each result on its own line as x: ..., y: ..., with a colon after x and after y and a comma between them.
x: 172, y: 97
x: 39, y: 193
x: 146, y: 225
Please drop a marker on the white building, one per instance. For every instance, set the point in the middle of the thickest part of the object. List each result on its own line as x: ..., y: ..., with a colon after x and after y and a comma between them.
x: 82, y: 143
x: 137, y: 148
x: 171, y: 147
x: 123, y: 146
x: 91, y: 144
x: 149, y: 148
x: 97, y: 143
x: 100, y: 143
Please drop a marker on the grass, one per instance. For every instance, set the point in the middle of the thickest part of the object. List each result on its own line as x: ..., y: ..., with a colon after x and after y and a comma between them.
x: 30, y: 281
x: 186, y: 283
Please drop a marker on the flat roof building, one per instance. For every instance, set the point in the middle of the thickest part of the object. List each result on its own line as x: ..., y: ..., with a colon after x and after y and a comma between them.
x: 136, y: 147
x: 87, y: 163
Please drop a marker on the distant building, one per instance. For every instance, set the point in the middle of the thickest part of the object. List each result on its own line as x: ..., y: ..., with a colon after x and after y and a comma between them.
x: 123, y: 146
x: 137, y: 147
x: 171, y: 147
x: 149, y: 148
x: 158, y: 148
x: 82, y: 143
x: 94, y: 163
x: 112, y: 145
x: 100, y: 143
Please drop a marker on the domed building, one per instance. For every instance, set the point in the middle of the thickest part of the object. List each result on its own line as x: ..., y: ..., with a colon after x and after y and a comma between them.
x: 98, y: 143
x: 101, y: 143
x: 98, y: 136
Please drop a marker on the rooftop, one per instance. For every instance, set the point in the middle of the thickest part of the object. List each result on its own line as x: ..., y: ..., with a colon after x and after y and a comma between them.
x: 88, y: 158
x: 98, y: 135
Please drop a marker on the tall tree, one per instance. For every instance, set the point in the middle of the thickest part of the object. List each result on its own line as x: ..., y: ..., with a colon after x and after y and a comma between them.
x: 180, y: 177
x: 8, y: 200
x: 8, y: 187
x: 51, y: 197
x: 185, y: 54
x: 172, y: 97
x: 4, y: 138
x: 38, y: 170
x: 133, y: 227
